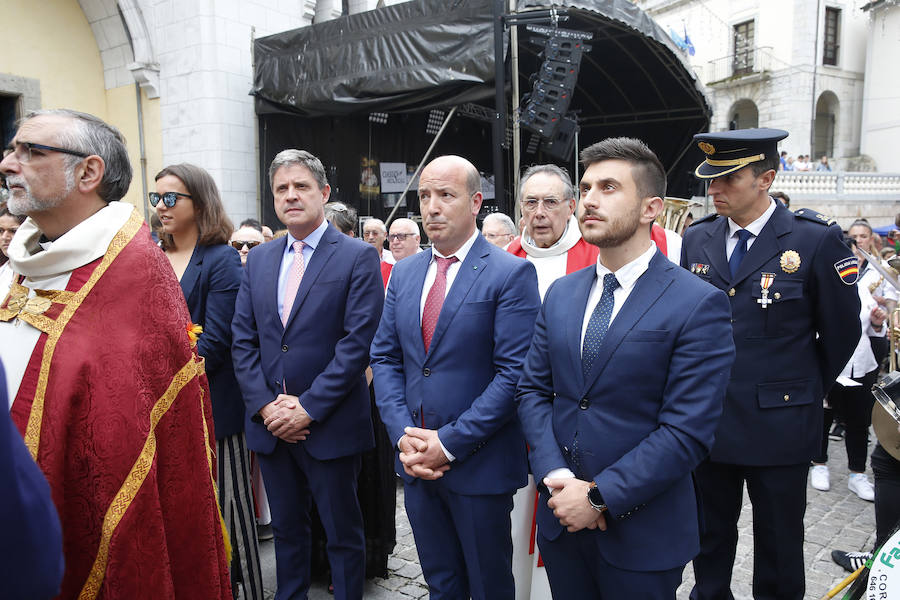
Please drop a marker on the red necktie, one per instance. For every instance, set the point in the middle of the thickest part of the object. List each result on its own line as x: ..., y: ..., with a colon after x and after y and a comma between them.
x: 435, y: 299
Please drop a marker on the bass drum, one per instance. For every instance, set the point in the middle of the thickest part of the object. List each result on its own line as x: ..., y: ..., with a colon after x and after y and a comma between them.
x: 884, y: 579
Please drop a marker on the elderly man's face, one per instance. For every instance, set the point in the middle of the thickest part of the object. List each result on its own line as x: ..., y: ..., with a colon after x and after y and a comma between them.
x: 545, y: 209
x: 244, y: 239
x: 38, y: 179
x: 496, y: 233
x: 374, y: 235
x: 403, y: 241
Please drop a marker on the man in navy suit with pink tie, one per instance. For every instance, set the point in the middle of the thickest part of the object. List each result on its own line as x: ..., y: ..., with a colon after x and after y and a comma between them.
x: 305, y: 316
x: 456, y: 325
x: 621, y: 393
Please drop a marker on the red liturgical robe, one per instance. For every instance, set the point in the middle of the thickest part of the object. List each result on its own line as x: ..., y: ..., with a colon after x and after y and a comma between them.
x: 114, y: 406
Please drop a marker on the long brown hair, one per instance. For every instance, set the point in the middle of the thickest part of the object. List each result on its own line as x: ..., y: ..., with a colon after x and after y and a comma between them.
x: 214, y: 225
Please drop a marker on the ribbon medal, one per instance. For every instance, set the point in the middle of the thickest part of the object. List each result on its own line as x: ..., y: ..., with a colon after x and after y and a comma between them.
x: 765, y: 282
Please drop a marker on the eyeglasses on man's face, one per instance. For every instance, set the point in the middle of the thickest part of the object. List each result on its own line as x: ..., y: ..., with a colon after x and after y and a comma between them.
x: 25, y: 152
x: 238, y: 244
x: 169, y: 198
x: 400, y: 236
x: 529, y: 205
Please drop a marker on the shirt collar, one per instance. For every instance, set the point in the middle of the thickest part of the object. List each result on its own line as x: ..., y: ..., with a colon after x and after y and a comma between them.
x: 312, y: 240
x: 628, y: 274
x: 756, y: 226
x: 461, y: 253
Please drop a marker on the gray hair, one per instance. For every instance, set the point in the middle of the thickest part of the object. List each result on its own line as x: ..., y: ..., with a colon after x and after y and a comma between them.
x: 341, y: 216
x: 568, y: 188
x: 410, y: 225
x: 501, y: 219
x: 298, y: 157
x: 377, y: 223
x: 92, y: 136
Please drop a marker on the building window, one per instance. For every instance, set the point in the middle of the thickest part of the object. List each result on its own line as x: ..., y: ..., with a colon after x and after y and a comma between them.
x: 744, y: 46
x: 832, y: 36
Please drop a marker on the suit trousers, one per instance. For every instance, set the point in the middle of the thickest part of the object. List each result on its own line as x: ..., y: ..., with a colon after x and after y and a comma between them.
x: 778, y: 496
x: 464, y: 542
x: 577, y: 570
x: 294, y: 479
x: 887, y: 494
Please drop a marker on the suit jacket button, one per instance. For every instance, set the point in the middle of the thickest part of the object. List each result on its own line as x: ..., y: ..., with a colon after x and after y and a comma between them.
x: 584, y: 404
x: 415, y: 414
x: 426, y: 372
x: 284, y: 348
x: 787, y: 397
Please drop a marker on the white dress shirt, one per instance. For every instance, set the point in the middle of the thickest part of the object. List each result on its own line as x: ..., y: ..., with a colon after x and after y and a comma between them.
x: 755, y: 228
x: 287, y: 259
x: 431, y: 275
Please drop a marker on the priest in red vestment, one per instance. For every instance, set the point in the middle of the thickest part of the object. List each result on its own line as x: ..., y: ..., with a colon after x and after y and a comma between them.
x: 108, y: 390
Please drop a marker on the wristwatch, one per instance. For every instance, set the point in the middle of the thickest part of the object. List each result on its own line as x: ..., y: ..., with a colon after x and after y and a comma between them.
x: 595, y: 498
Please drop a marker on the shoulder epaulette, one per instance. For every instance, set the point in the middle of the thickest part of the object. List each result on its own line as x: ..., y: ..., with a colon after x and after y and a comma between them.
x: 814, y: 216
x: 710, y: 217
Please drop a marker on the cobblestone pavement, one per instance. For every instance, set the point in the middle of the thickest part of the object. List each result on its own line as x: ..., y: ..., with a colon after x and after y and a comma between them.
x: 836, y: 519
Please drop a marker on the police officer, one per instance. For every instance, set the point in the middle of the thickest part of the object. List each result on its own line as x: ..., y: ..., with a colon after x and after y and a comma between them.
x: 795, y: 323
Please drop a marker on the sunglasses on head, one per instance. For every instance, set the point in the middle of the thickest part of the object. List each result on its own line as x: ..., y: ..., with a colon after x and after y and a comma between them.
x: 169, y: 198
x: 238, y: 244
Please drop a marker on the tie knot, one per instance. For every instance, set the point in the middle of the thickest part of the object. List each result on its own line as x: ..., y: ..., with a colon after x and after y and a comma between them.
x: 298, y: 246
x: 610, y: 282
x: 444, y: 263
x: 743, y: 235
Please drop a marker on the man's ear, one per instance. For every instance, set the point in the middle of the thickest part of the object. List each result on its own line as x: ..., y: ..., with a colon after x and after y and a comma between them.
x: 766, y: 178
x: 89, y: 174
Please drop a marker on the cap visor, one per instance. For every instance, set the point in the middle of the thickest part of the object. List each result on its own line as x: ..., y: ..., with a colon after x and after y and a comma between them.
x: 707, y: 171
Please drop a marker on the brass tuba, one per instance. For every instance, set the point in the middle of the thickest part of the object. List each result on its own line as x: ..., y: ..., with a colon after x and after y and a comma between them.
x: 674, y: 213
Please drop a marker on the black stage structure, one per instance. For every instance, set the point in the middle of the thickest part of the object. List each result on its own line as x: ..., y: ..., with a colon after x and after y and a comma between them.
x: 377, y: 86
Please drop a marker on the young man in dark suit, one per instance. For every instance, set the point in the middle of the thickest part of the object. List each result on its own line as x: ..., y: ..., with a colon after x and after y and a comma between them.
x: 621, y: 393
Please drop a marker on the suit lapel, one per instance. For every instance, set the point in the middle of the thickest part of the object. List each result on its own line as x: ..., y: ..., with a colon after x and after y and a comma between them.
x: 766, y: 245
x: 409, y: 300
x: 647, y: 290
x: 575, y: 317
x: 327, y: 245
x: 468, y: 273
x: 715, y: 250
x: 269, y: 276
x: 192, y: 272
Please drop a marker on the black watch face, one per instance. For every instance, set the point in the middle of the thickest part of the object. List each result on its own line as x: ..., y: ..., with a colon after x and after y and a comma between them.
x: 595, y: 496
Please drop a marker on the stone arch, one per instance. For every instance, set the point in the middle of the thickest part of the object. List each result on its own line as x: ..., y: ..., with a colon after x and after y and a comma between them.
x: 825, y: 125
x: 124, y: 42
x: 743, y: 114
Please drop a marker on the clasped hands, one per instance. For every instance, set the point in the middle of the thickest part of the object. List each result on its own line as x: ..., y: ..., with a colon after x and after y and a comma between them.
x: 421, y: 454
x: 286, y: 419
x: 570, y: 505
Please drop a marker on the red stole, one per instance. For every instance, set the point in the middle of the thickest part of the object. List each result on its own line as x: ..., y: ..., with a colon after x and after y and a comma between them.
x: 115, y: 406
x: 579, y: 256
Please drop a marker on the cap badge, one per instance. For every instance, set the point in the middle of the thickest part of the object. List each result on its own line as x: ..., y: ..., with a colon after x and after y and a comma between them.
x: 707, y: 148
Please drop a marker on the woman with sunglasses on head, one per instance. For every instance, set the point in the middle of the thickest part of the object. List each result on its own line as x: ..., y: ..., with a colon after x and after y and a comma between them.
x: 195, y: 238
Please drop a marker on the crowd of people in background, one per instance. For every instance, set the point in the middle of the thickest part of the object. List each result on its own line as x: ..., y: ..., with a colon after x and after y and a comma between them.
x: 803, y: 163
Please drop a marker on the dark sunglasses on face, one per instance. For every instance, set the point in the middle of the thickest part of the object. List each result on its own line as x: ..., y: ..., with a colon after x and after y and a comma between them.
x: 399, y: 236
x: 169, y: 198
x: 238, y: 244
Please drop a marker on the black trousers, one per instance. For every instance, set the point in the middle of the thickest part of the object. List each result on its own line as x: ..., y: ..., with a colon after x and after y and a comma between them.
x: 855, y: 404
x: 887, y: 494
x: 778, y: 496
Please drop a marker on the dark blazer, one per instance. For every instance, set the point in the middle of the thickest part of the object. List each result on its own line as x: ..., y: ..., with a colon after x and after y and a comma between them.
x: 31, y: 557
x: 773, y: 409
x: 643, y: 418
x: 322, y: 353
x: 464, y: 386
x: 210, y: 285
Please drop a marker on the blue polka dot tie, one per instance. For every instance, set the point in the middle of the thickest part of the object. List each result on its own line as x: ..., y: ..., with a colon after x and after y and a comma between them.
x: 737, y: 255
x: 598, y: 324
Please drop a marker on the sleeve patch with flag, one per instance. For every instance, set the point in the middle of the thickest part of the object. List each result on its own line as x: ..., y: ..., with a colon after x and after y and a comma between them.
x: 848, y: 270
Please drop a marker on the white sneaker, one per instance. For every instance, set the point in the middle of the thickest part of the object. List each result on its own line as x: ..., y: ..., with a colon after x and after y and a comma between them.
x: 819, y: 478
x: 860, y: 485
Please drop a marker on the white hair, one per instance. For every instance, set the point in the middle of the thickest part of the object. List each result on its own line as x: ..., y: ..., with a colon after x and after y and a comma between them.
x: 501, y: 219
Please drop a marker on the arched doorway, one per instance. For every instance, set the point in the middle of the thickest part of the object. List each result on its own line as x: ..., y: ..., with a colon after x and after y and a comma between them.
x: 743, y: 115
x: 825, y: 125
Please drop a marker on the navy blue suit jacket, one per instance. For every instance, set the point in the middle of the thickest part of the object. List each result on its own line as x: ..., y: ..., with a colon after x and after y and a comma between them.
x: 643, y: 418
x: 773, y: 409
x: 210, y: 284
x: 465, y: 385
x: 31, y: 557
x: 322, y: 353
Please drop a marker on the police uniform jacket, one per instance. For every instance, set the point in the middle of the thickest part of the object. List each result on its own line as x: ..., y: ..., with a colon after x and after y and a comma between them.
x: 789, y: 353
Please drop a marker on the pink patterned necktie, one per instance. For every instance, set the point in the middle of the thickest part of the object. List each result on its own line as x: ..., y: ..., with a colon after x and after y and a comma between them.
x: 435, y: 299
x: 293, y: 281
